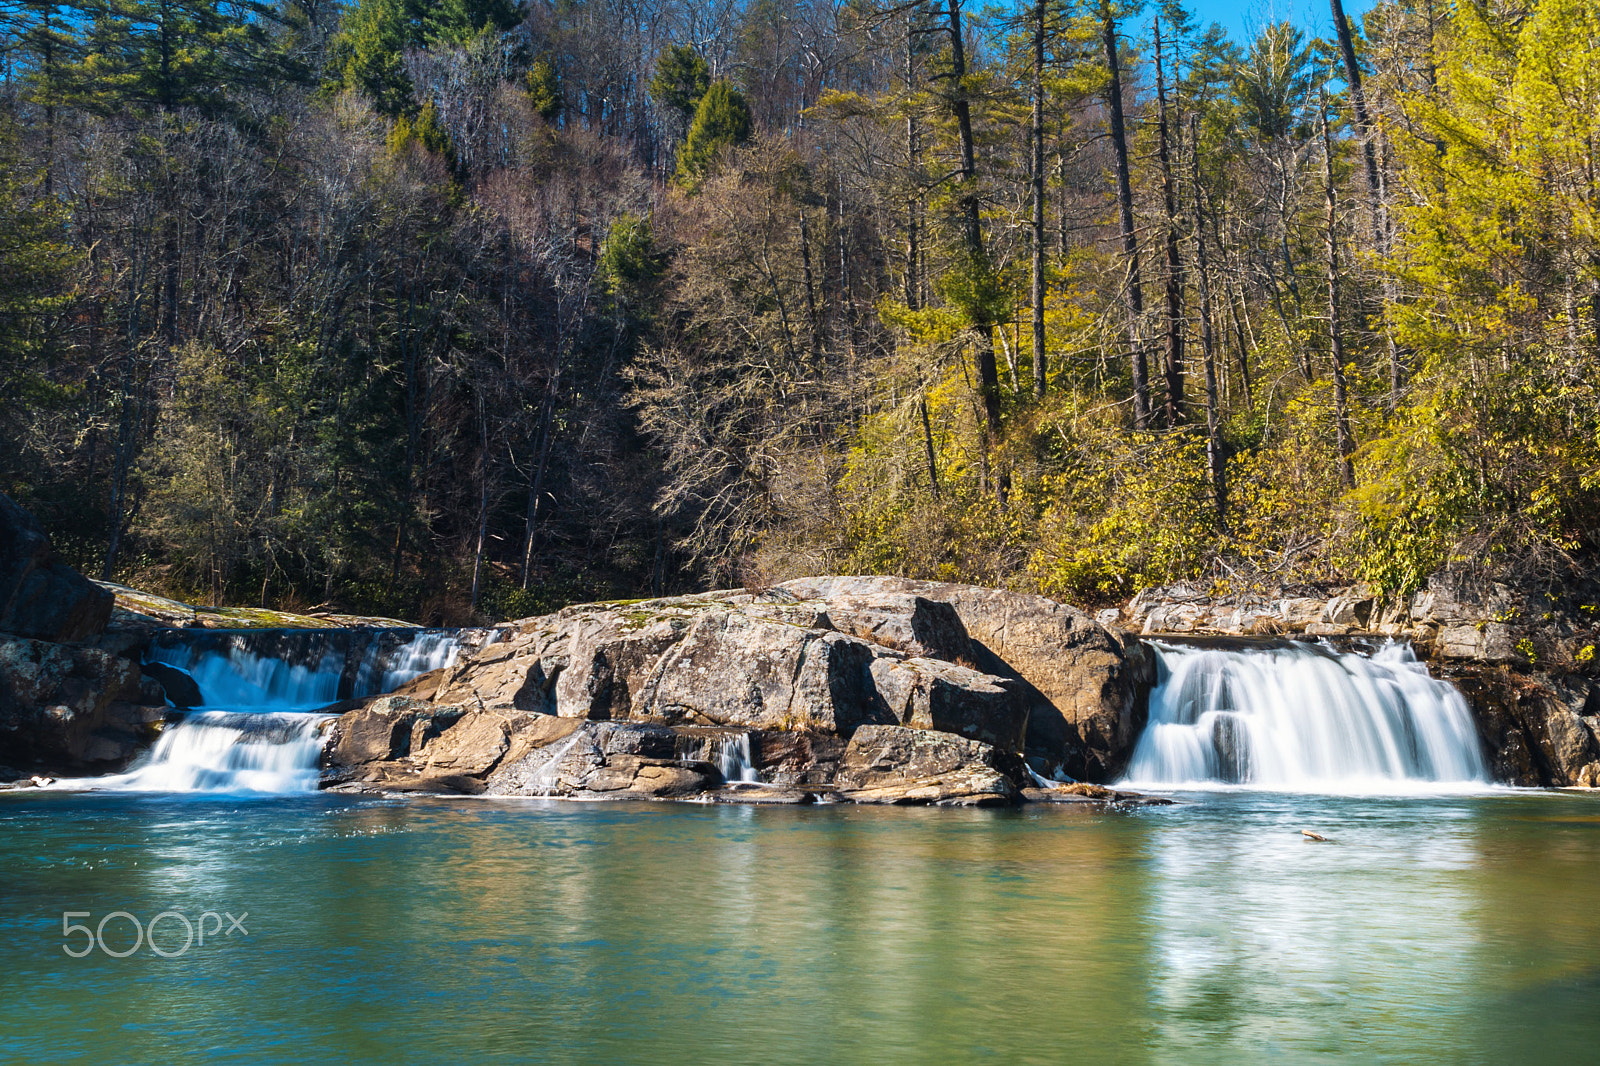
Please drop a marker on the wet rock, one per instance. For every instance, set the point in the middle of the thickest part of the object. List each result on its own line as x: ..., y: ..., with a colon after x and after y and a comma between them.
x: 40, y: 596
x: 176, y: 685
x: 763, y: 797
x: 1092, y: 795
x: 1537, y: 729
x: 604, y: 759
x: 894, y: 764
x: 798, y: 758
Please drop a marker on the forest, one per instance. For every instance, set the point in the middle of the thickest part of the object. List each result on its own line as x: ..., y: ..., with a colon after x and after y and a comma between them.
x: 471, y: 309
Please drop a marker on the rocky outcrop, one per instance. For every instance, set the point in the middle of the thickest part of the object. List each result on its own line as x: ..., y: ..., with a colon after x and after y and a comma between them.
x: 66, y: 706
x: 1084, y: 690
x: 893, y: 764
x: 879, y: 689
x: 1537, y: 728
x: 73, y: 708
x: 40, y: 596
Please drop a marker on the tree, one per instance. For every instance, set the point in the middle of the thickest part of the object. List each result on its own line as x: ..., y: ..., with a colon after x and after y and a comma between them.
x: 1130, y: 240
x: 721, y: 121
x: 680, y: 80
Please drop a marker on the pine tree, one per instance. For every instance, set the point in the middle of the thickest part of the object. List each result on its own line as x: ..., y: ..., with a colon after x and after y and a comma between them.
x: 722, y: 120
x: 681, y: 79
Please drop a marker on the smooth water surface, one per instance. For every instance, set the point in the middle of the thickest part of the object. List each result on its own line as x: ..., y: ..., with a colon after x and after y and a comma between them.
x: 1430, y: 930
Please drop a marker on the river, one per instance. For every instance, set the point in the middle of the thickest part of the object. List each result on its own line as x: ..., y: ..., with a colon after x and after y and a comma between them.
x: 1427, y: 929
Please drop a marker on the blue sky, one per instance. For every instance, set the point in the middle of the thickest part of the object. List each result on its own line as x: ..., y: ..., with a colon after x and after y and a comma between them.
x: 1243, y: 18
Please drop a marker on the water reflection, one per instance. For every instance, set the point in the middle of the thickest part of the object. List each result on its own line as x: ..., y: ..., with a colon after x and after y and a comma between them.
x: 1447, y: 930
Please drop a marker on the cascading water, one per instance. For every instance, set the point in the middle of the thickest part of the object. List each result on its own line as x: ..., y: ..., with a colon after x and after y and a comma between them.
x: 258, y: 727
x: 732, y: 756
x: 1303, y: 717
x: 231, y: 751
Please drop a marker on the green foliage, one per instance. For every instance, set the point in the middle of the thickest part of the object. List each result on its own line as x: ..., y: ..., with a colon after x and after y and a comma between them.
x: 721, y: 120
x: 368, y: 54
x: 425, y: 134
x: 681, y: 79
x: 147, y: 55
x: 544, y: 89
x: 629, y: 259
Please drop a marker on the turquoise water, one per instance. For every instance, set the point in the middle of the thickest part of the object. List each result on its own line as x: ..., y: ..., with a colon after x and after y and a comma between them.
x: 1430, y: 930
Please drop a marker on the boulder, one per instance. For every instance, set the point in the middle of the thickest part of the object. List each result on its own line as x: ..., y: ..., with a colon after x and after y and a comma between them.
x: 929, y: 694
x: 519, y: 672
x: 176, y: 683
x: 609, y: 657
x: 1086, y: 703
x: 73, y: 708
x: 604, y: 759
x: 1539, y: 729
x: 734, y: 670
x: 40, y: 596
x: 894, y: 764
x: 919, y: 626
x: 384, y: 730
x: 796, y: 758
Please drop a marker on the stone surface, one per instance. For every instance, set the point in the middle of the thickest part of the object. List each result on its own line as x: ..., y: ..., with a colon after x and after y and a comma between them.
x: 73, y: 708
x: 894, y: 764
x: 929, y: 694
x: 40, y: 596
x: 179, y: 688
x: 797, y: 671
x: 916, y: 625
x: 734, y: 670
x: 1084, y: 698
x: 382, y: 731
x: 1541, y: 729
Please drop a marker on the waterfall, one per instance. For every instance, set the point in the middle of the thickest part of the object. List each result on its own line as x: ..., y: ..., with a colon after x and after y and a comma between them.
x: 1303, y: 717
x: 259, y: 727
x: 732, y: 756
x: 306, y: 669
x: 231, y: 751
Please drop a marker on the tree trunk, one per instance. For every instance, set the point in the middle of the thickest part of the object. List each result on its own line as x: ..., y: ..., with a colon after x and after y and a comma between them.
x: 913, y: 287
x: 806, y: 276
x: 1376, y: 193
x: 1346, y: 443
x: 483, y: 504
x: 972, y: 232
x: 927, y: 445
x: 1208, y: 347
x: 1037, y: 163
x: 1172, y: 368
x: 1130, y: 240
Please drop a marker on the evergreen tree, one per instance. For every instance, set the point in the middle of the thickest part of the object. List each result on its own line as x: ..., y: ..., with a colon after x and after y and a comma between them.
x: 544, y: 89
x: 721, y: 120
x: 681, y: 79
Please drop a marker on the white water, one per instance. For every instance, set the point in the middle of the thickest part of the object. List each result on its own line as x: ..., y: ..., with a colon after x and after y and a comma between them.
x: 259, y: 729
x: 237, y: 677
x: 1304, y: 718
x: 230, y: 751
x: 732, y: 756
